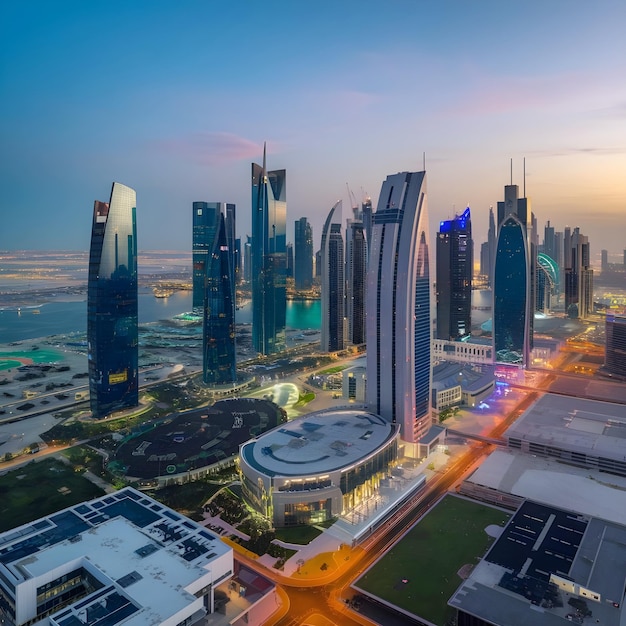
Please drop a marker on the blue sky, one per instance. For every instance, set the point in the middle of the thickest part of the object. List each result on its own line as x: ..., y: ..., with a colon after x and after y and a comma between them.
x: 175, y: 99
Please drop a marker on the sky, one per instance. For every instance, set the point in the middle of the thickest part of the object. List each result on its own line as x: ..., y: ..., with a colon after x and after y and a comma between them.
x: 176, y: 100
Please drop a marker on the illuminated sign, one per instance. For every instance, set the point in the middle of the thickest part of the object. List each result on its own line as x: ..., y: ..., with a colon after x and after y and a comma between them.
x: 120, y: 377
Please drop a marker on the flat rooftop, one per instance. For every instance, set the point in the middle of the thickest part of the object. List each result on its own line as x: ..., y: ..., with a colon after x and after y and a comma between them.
x: 319, y: 443
x: 144, y: 555
x: 470, y: 378
x: 575, y: 424
x: 584, y: 490
x: 512, y: 584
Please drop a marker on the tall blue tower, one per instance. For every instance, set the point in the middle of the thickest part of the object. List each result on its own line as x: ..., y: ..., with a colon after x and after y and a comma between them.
x: 219, y: 356
x: 455, y: 262
x: 513, y: 284
x: 112, y: 331
x: 268, y: 258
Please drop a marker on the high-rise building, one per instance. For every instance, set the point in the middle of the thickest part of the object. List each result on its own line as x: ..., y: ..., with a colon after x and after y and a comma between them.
x: 303, y: 261
x: 488, y: 250
x: 549, y: 242
x: 356, y: 273
x: 578, y: 277
x: 204, y: 222
x: 219, y: 366
x: 546, y: 281
x: 399, y: 317
x: 513, y: 296
x: 268, y: 258
x: 615, y: 353
x: 455, y: 262
x: 289, y: 268
x: 604, y: 263
x: 333, y: 302
x: 229, y: 211
x: 112, y: 331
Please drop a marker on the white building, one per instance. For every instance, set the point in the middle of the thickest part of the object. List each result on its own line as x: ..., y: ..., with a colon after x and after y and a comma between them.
x: 400, y: 309
x: 122, y: 557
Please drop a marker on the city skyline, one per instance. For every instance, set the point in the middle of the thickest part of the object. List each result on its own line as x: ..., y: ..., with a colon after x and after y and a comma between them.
x: 167, y: 109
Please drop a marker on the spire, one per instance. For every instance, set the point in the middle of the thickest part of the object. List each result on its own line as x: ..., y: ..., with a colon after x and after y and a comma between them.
x: 264, y: 168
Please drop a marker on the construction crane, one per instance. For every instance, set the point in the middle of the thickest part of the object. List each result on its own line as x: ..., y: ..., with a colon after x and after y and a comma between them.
x: 353, y: 203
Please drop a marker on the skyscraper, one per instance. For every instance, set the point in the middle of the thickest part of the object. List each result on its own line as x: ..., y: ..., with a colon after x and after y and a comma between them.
x: 513, y: 301
x: 303, y: 261
x: 399, y: 316
x: 112, y: 333
x: 455, y: 262
x: 356, y: 272
x: 615, y: 353
x: 268, y: 258
x: 219, y: 357
x: 333, y: 302
x: 204, y: 223
x: 578, y: 277
x: 488, y: 250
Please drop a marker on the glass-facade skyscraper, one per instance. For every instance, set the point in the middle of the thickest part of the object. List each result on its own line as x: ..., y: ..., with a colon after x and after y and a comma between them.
x: 333, y: 301
x: 219, y: 356
x: 268, y: 260
x: 455, y: 262
x: 303, y: 254
x: 399, y: 316
x: 112, y: 331
x: 356, y: 272
x: 204, y: 223
x: 513, y: 293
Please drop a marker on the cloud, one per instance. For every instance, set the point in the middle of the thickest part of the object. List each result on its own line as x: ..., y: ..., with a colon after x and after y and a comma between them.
x: 597, y: 151
x: 206, y: 148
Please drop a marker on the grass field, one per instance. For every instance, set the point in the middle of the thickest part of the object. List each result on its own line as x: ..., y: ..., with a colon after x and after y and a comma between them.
x: 32, y: 491
x: 420, y: 573
x: 12, y: 359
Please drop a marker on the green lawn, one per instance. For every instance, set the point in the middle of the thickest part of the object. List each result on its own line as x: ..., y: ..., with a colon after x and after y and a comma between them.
x: 332, y: 370
x: 7, y: 359
x: 301, y: 535
x: 32, y: 491
x: 429, y: 557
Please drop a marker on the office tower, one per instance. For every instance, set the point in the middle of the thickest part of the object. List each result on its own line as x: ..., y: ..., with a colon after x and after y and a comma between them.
x: 219, y: 365
x: 303, y: 261
x: 578, y: 277
x: 549, y: 242
x: 268, y: 258
x: 558, y: 259
x: 318, y: 263
x: 289, y: 269
x: 333, y: 303
x: 455, y: 261
x: 204, y: 222
x: 247, y: 260
x: 513, y: 296
x: 366, y: 212
x: 399, y: 317
x: 356, y: 274
x: 547, y: 282
x: 112, y: 334
x: 604, y: 263
x: 230, y: 224
x: 237, y: 255
x: 615, y: 353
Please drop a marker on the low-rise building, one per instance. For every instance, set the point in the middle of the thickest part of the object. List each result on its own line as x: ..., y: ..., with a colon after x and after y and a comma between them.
x: 123, y: 557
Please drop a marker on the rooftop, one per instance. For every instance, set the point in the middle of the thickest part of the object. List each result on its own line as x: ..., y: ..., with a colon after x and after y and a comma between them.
x: 514, y: 583
x: 319, y: 442
x: 586, y: 426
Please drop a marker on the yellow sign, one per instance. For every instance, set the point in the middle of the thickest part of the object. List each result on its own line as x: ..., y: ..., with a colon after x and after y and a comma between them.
x: 120, y: 377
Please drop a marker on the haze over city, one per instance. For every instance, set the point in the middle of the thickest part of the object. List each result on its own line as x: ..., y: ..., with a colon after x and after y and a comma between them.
x: 176, y: 100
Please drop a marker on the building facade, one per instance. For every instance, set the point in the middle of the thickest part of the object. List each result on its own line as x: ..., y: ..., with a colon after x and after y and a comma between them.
x: 615, y: 353
x: 303, y: 257
x: 399, y: 315
x: 513, y: 293
x: 122, y: 558
x: 455, y: 263
x: 317, y: 466
x: 204, y: 223
x: 333, y: 283
x: 219, y: 366
x: 268, y: 258
x: 356, y: 276
x: 112, y: 331
x: 578, y: 276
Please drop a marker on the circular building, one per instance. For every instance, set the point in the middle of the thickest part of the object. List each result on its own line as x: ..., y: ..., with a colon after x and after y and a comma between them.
x: 318, y: 466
